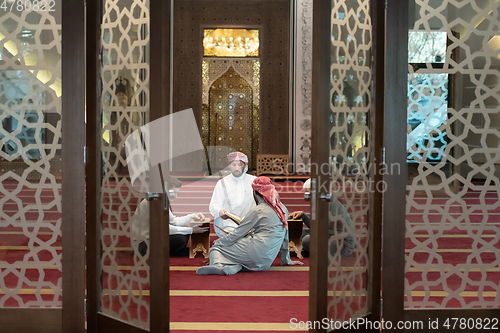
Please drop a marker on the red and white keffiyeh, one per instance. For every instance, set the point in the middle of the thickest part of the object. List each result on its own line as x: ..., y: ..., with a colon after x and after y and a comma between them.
x: 237, y: 156
x: 266, y: 188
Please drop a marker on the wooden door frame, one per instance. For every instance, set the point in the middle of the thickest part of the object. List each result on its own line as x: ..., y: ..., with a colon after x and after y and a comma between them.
x: 160, y: 13
x: 394, y: 210
x: 318, y: 263
x: 73, y: 166
x: 377, y: 142
x: 69, y: 317
x: 318, y: 299
x: 93, y: 167
x: 43, y: 320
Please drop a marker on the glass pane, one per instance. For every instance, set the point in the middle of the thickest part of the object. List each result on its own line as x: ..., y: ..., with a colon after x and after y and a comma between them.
x: 452, y: 244
x: 30, y: 158
x: 427, y: 113
x: 349, y: 156
x: 426, y: 46
x: 125, y: 107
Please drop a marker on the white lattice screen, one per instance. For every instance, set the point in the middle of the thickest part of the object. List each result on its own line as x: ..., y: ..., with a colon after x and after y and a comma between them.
x: 125, y: 107
x: 453, y: 211
x: 351, y: 77
x: 30, y: 142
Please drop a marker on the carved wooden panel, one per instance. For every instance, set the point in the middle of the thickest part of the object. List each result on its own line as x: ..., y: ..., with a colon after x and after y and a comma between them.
x: 231, y: 121
x: 272, y: 164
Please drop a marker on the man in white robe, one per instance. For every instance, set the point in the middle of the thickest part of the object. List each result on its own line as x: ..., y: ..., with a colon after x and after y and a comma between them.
x: 256, y: 242
x: 179, y: 228
x: 232, y: 194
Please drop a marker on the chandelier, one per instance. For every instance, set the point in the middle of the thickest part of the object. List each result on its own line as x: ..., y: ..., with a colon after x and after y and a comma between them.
x: 231, y: 43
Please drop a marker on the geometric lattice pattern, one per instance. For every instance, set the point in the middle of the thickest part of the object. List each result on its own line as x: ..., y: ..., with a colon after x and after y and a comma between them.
x: 248, y: 69
x: 30, y: 142
x: 272, y: 164
x: 350, y: 78
x: 452, y: 222
x: 125, y: 107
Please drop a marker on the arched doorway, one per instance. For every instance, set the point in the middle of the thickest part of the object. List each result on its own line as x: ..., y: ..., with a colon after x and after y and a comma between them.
x: 231, y: 117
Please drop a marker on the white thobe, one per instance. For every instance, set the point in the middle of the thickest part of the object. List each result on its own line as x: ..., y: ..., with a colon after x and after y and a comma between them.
x: 257, y: 251
x: 140, y: 223
x: 234, y: 194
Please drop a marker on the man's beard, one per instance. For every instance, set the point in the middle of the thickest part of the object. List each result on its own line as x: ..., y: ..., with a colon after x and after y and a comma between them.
x: 237, y: 173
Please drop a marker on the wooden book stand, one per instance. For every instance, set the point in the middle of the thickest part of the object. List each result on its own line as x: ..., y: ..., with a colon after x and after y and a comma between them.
x: 199, y: 242
x: 294, y: 234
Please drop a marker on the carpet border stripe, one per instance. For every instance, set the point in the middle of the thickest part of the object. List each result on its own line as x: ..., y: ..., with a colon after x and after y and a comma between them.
x: 208, y: 326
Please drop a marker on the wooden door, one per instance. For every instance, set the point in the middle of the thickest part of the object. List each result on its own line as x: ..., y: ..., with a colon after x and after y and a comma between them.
x: 440, y: 253
x: 345, y: 210
x: 42, y: 224
x: 127, y: 263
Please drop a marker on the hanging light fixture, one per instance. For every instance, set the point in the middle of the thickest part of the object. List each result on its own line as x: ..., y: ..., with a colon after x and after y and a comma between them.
x: 231, y: 43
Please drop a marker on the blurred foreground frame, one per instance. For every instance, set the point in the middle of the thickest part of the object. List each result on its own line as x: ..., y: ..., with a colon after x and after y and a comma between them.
x: 156, y: 145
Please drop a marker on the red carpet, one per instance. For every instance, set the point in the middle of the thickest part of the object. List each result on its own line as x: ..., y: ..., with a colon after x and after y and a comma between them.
x: 276, y: 295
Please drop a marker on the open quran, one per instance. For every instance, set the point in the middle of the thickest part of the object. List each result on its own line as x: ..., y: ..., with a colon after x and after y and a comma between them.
x: 248, y: 233
x: 235, y: 218
x: 221, y: 229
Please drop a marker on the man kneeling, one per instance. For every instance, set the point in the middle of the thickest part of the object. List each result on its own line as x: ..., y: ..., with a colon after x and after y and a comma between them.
x: 255, y: 243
